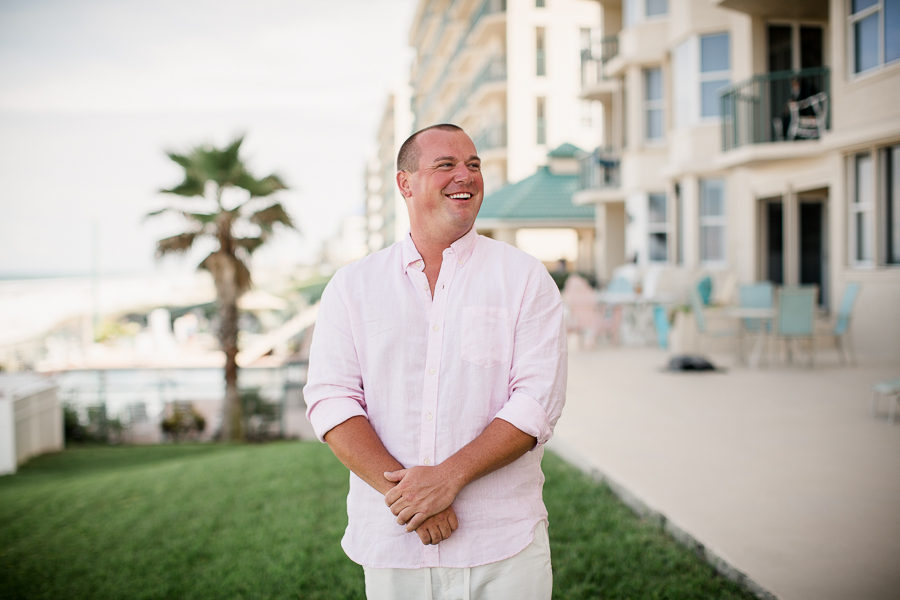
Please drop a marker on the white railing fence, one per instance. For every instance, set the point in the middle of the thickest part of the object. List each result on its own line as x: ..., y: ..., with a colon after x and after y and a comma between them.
x: 31, y: 420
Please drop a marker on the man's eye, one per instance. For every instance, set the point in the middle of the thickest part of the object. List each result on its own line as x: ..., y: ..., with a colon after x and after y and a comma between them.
x: 444, y: 165
x: 475, y: 166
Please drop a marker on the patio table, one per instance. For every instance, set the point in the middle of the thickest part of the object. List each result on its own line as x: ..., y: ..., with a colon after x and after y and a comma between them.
x: 745, y: 315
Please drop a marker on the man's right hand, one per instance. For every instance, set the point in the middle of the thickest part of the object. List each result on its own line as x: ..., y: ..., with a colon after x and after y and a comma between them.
x: 439, y: 527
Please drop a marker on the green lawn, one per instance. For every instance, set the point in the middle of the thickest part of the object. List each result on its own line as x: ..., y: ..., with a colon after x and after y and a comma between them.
x: 264, y: 521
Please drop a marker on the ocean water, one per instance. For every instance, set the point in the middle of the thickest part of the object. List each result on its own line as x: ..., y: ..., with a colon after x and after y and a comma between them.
x: 29, y: 308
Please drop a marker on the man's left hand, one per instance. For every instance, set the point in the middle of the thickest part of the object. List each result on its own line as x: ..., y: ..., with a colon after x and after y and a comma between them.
x: 420, y: 493
x: 438, y: 528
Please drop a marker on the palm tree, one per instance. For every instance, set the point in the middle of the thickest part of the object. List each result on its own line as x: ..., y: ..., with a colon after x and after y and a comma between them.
x: 221, y: 201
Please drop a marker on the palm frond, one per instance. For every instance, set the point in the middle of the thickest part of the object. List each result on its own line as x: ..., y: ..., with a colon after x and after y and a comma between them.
x: 160, y: 211
x: 250, y: 244
x: 204, y: 218
x: 176, y: 244
x: 231, y: 154
x: 181, y: 159
x: 268, y: 216
x: 190, y: 187
x: 223, y: 266
x: 260, y: 187
x: 201, y: 218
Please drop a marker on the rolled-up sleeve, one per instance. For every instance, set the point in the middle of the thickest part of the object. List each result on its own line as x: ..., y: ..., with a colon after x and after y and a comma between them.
x: 333, y: 392
x: 537, y: 382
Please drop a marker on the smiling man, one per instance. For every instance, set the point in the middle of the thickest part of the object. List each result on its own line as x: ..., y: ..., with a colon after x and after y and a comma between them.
x: 437, y: 373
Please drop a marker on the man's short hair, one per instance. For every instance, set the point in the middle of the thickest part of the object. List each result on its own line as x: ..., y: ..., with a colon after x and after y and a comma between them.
x: 408, y: 157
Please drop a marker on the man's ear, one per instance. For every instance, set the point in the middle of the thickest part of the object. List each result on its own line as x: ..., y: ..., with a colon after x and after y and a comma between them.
x: 403, y: 184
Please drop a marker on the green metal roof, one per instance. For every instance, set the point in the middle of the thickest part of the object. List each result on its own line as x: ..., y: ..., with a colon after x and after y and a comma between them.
x: 544, y: 198
x: 567, y: 150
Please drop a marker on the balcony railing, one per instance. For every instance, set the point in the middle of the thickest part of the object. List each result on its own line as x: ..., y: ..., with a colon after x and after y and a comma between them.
x: 599, y: 169
x: 783, y: 106
x: 594, y: 59
x: 493, y: 137
x: 487, y: 7
x: 493, y: 70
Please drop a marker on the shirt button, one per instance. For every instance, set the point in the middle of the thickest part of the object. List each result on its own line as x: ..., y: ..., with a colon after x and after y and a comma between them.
x: 431, y: 371
x: 429, y: 416
x: 434, y: 327
x: 426, y: 461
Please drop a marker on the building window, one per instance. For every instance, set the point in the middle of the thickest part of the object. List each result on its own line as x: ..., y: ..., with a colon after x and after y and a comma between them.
x: 653, y: 104
x: 657, y: 227
x: 637, y: 11
x: 541, y: 121
x: 712, y: 220
x: 586, y: 56
x: 587, y: 114
x: 540, y: 53
x: 701, y: 68
x: 892, y: 204
x: 874, y: 33
x: 540, y: 3
x: 679, y: 225
x: 862, y: 209
x: 656, y: 8
x: 874, y: 207
x: 715, y: 72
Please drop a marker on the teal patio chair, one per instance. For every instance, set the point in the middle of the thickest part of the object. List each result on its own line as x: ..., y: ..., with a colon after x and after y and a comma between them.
x: 795, y: 318
x: 841, y: 329
x: 704, y: 288
x: 756, y: 295
x: 760, y: 294
x: 661, y: 324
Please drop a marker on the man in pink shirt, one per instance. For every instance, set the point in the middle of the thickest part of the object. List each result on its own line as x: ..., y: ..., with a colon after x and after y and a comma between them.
x: 437, y: 373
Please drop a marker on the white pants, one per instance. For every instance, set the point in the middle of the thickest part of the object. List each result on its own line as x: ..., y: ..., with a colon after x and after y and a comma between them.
x: 525, y: 576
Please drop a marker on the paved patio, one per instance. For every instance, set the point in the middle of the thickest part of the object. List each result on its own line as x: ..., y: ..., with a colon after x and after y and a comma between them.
x: 778, y: 473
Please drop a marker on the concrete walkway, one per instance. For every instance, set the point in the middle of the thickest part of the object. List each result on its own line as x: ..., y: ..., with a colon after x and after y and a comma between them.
x: 778, y: 473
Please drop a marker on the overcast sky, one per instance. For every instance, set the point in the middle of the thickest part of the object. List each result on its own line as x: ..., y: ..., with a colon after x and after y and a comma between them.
x: 93, y: 92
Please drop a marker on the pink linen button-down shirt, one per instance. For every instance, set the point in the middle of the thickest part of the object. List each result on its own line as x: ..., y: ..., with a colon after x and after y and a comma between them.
x: 430, y: 373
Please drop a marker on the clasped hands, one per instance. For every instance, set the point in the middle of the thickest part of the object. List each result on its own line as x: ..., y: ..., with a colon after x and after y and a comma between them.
x: 422, y: 500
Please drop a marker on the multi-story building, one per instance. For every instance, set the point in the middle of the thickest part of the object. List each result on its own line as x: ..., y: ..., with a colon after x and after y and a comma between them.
x: 507, y: 72
x: 387, y: 219
x: 753, y: 139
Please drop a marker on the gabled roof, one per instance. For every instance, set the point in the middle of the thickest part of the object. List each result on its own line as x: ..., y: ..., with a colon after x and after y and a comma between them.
x: 567, y: 150
x: 543, y: 199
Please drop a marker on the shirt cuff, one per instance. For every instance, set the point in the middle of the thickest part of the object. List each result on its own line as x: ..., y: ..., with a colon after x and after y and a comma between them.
x: 325, y: 415
x: 526, y: 414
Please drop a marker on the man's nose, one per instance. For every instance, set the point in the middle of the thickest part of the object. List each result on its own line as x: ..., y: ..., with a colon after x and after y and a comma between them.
x: 462, y: 173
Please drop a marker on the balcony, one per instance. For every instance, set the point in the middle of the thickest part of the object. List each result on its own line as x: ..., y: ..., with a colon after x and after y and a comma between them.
x: 780, y: 107
x: 491, y: 138
x: 599, y: 169
x: 466, y: 38
x: 596, y: 84
x: 494, y: 71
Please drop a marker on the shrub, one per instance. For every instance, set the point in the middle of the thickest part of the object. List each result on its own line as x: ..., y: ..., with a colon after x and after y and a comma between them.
x: 182, y: 421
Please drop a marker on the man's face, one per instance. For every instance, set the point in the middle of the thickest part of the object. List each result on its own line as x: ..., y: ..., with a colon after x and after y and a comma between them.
x: 445, y: 193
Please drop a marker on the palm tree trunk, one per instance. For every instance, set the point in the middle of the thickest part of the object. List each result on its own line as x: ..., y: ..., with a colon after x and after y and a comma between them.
x: 227, y: 289
x: 233, y: 419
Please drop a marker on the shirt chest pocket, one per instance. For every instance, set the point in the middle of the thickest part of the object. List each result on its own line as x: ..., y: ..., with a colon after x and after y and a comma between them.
x: 486, y: 335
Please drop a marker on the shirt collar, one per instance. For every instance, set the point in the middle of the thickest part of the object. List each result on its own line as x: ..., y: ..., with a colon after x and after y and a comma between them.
x: 411, y: 256
x: 462, y: 247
